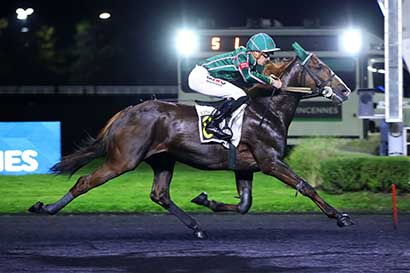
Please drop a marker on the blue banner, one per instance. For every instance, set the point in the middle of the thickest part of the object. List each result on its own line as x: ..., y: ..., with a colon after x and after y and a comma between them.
x: 29, y: 147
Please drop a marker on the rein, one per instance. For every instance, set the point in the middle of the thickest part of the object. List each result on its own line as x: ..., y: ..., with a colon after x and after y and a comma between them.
x: 296, y: 89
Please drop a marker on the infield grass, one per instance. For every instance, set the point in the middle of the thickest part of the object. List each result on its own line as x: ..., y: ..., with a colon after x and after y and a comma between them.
x: 130, y: 193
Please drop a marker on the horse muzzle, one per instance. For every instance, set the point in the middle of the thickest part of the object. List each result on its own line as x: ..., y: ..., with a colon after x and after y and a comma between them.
x: 340, y: 96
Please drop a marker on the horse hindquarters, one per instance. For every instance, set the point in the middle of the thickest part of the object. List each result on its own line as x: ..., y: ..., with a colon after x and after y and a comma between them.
x: 125, y: 144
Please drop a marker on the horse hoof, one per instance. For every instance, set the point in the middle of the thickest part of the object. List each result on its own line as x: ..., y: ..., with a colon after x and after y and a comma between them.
x: 38, y: 208
x: 201, y: 199
x: 343, y: 220
x: 199, y: 234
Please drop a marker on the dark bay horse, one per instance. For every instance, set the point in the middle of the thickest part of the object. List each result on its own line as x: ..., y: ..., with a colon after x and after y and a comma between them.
x: 161, y: 133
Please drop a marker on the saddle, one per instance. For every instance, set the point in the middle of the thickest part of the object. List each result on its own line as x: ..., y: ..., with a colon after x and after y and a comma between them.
x: 231, y: 125
x: 220, y: 114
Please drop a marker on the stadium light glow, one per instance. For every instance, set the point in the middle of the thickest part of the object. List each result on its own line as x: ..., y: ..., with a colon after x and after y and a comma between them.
x: 104, y: 15
x: 351, y: 41
x: 23, y: 14
x: 29, y: 11
x: 186, y: 42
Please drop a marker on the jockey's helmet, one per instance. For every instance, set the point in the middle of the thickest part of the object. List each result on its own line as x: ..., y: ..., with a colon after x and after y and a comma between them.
x: 261, y: 42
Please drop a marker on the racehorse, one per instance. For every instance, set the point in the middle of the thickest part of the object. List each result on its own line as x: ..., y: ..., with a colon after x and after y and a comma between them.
x: 161, y: 133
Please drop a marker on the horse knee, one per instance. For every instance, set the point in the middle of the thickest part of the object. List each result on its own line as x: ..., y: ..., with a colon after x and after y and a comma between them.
x: 160, y: 198
x: 154, y: 197
x: 246, y: 201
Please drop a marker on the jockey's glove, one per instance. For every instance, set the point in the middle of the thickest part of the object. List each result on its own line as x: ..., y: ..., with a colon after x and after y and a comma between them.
x: 275, y: 81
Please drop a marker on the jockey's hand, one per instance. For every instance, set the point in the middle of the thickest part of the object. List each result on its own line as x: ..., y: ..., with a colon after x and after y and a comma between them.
x: 275, y: 81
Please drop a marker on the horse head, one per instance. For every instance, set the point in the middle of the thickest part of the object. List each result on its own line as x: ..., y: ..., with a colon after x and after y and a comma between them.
x: 319, y: 77
x: 307, y: 70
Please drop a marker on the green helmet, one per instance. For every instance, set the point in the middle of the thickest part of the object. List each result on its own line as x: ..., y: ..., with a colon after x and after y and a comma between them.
x: 261, y: 42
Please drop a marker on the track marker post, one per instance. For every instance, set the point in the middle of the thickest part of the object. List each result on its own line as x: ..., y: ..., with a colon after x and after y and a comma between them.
x: 393, y: 194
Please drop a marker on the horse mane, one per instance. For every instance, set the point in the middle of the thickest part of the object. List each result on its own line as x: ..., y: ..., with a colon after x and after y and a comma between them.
x: 278, y: 67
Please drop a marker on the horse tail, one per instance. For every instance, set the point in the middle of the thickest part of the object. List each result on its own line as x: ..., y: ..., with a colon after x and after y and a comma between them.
x: 90, y: 149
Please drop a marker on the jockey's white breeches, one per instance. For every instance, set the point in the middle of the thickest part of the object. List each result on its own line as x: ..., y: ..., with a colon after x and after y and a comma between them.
x: 201, y: 81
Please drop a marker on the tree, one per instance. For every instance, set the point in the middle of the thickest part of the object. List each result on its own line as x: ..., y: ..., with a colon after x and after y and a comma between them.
x: 93, y: 54
x: 83, y: 65
x: 47, y: 57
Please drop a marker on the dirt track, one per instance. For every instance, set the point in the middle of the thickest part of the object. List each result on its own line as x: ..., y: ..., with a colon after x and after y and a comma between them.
x: 159, y: 243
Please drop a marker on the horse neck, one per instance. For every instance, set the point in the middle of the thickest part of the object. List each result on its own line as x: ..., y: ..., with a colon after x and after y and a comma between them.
x: 282, y: 106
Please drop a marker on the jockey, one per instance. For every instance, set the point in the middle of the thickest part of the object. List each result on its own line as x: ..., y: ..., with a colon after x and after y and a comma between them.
x: 215, y: 77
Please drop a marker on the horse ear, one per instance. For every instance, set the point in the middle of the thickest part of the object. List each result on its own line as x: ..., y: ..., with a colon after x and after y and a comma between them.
x: 314, y: 60
x: 300, y: 52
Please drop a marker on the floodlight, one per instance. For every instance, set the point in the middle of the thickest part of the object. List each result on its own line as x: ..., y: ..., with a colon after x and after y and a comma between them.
x: 186, y: 42
x: 104, y: 15
x: 22, y: 16
x: 351, y: 41
x: 29, y: 11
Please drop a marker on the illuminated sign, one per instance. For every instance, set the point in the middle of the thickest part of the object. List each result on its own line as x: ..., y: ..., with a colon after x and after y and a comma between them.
x: 223, y: 43
x: 228, y: 42
x: 318, y: 110
x: 220, y: 42
x: 29, y: 147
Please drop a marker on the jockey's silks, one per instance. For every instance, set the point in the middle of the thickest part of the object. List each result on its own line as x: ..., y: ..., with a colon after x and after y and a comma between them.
x: 235, y: 65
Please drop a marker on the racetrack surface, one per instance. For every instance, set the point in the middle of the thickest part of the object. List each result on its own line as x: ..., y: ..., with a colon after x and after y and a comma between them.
x: 236, y: 243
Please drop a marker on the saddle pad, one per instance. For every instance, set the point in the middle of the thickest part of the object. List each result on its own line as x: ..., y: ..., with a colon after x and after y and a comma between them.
x: 235, y: 123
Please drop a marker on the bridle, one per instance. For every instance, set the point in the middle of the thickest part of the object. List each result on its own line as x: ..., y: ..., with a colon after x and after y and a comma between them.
x: 321, y: 85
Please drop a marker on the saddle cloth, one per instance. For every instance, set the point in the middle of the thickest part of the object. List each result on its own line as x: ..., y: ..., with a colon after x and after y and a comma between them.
x: 235, y: 123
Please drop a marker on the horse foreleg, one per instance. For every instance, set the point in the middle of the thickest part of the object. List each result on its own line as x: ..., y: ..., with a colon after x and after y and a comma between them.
x: 163, y: 170
x: 281, y: 171
x: 244, y: 189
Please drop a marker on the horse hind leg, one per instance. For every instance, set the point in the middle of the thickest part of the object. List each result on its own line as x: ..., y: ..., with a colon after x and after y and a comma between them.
x: 163, y: 169
x: 244, y: 189
x: 113, y: 167
x: 83, y: 185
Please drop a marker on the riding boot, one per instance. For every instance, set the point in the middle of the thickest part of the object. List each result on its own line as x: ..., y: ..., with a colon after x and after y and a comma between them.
x: 225, y: 111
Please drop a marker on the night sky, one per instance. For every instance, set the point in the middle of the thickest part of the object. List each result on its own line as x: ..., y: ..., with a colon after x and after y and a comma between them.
x: 145, y: 29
